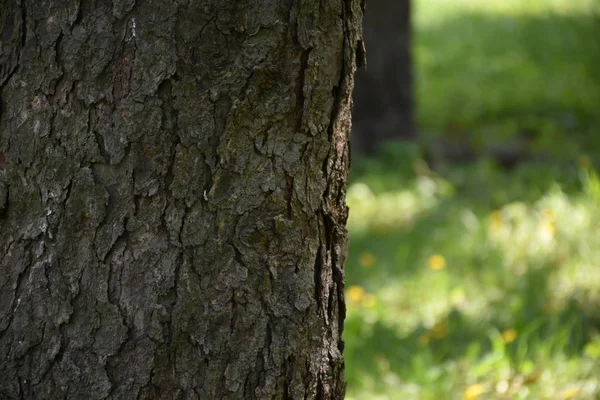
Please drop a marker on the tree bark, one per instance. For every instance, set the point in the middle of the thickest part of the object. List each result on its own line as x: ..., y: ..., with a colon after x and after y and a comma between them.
x: 384, y: 90
x: 172, y: 197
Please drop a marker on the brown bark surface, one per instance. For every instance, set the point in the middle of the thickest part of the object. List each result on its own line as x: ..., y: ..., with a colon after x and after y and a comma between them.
x: 172, y: 197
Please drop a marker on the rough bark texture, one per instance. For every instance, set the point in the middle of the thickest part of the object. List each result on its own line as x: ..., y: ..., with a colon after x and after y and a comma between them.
x: 383, y: 99
x: 172, y: 183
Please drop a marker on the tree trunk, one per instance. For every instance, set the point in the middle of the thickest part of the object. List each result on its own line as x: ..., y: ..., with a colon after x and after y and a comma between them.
x: 172, y: 183
x: 384, y: 90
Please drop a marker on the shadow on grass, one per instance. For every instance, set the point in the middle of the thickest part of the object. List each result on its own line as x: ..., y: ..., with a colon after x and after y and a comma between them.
x: 493, y: 76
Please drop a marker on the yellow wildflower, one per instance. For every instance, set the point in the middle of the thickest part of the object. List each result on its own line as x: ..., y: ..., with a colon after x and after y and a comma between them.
x: 436, y: 262
x: 496, y: 220
x: 355, y: 293
x: 367, y: 259
x: 474, y: 391
x: 548, y: 229
x: 571, y: 393
x: 369, y: 300
x: 508, y: 336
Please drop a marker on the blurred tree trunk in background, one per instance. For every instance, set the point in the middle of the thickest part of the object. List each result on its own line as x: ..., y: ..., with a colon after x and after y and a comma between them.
x: 383, y: 98
x: 172, y: 210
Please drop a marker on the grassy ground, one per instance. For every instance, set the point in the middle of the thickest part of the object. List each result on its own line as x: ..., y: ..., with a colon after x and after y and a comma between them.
x: 473, y: 282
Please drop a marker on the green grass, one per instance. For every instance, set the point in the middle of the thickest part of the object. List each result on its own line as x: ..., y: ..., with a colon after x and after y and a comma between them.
x: 491, y: 69
x: 474, y: 282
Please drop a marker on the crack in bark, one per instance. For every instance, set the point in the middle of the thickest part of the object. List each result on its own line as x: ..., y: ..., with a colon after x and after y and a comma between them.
x: 57, y: 50
x: 10, y: 69
x: 79, y: 16
x: 24, y: 24
x: 289, y: 182
x: 4, y: 196
x: 300, y: 82
x: 318, y: 270
x: 20, y: 277
x: 289, y: 377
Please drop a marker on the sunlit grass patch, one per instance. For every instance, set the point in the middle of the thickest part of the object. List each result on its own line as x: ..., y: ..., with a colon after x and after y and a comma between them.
x: 392, y: 209
x: 472, y: 293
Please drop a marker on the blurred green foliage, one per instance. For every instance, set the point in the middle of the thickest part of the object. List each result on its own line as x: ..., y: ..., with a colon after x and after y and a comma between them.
x: 495, y: 68
x: 472, y: 281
